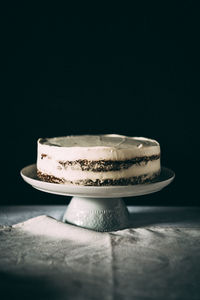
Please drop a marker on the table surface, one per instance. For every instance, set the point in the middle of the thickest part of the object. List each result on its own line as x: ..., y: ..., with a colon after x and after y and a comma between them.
x: 141, y: 216
x: 156, y: 258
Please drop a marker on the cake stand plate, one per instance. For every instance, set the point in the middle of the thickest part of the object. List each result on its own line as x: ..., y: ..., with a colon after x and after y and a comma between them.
x: 99, y: 208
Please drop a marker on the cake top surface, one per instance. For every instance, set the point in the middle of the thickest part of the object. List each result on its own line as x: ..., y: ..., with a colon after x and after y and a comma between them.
x: 107, y: 140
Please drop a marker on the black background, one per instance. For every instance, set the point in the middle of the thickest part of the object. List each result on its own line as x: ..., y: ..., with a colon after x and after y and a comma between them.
x: 124, y: 70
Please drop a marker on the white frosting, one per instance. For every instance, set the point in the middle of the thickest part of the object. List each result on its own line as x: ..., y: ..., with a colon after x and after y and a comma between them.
x: 97, y: 147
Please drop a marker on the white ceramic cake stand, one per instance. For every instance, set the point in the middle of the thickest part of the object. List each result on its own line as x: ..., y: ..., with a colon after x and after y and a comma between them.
x: 98, y: 208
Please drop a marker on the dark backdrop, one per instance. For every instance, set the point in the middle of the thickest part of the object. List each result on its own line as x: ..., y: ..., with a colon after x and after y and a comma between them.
x: 125, y: 70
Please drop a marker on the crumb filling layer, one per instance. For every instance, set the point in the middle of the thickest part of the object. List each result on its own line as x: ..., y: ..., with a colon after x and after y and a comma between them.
x: 108, y: 165
x: 145, y: 178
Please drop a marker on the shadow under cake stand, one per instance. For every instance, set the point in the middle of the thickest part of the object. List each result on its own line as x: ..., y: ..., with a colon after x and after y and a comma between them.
x: 99, y: 208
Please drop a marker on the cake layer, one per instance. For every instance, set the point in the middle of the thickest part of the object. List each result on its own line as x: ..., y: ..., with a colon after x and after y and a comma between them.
x: 106, y: 165
x: 100, y: 147
x: 145, y: 178
x: 71, y: 174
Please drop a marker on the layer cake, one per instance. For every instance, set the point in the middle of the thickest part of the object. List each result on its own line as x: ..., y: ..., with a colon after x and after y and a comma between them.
x: 98, y: 160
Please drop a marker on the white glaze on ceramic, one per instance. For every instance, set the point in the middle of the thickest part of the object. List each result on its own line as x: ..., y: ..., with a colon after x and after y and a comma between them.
x: 30, y: 176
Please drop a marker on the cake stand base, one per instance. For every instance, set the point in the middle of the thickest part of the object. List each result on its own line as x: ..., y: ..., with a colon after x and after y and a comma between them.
x: 100, y: 214
x: 97, y: 207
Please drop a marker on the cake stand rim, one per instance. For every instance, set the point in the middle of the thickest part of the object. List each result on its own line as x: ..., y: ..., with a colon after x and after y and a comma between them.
x: 97, y: 191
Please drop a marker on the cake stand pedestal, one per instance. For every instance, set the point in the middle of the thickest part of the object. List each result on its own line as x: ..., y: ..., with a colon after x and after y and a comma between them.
x: 97, y: 208
x: 100, y: 214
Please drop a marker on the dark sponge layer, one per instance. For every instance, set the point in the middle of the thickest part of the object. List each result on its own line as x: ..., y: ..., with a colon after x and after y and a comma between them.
x: 107, y: 165
x: 49, y: 178
x: 97, y: 182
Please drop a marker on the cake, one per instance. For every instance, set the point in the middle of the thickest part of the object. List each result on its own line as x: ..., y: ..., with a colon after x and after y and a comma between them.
x: 98, y: 160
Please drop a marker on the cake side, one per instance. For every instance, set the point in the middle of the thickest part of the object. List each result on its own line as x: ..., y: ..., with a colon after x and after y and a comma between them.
x: 114, y: 160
